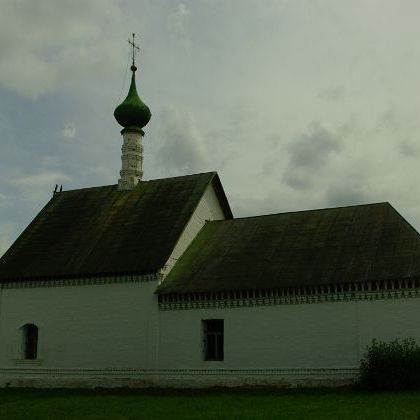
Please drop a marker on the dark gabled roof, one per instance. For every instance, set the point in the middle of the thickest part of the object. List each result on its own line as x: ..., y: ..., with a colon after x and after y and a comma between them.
x: 103, y: 231
x: 316, y: 247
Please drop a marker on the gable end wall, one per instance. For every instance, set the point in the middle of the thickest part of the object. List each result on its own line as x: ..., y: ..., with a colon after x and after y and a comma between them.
x: 208, y: 208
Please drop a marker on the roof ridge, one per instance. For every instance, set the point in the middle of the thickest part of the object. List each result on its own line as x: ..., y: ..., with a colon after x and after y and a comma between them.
x: 305, y: 211
x: 182, y: 176
x: 85, y: 188
x: 143, y: 181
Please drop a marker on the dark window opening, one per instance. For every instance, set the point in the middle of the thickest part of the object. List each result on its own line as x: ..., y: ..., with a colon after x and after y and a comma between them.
x: 213, y: 339
x: 30, y: 341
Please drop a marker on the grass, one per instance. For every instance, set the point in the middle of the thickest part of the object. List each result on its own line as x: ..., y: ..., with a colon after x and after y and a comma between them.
x: 32, y: 404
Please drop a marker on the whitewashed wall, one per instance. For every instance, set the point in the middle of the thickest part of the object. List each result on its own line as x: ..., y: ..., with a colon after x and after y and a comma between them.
x: 114, y: 335
x: 307, y: 335
x: 85, y: 326
x: 207, y: 209
x: 306, y: 344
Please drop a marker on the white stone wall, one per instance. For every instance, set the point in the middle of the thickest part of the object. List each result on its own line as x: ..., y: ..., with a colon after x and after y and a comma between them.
x: 305, y: 344
x: 207, y: 209
x: 388, y: 319
x: 114, y: 335
x: 288, y: 336
x: 85, y: 326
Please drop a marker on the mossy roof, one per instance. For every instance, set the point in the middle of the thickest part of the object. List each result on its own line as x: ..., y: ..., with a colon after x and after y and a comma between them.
x: 316, y: 247
x: 103, y: 231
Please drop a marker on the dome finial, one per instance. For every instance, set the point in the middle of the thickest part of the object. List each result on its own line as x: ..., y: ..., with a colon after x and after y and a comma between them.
x: 135, y: 49
x: 132, y: 113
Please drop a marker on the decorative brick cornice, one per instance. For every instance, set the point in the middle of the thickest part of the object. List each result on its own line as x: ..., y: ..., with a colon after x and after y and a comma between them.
x: 293, y: 296
x: 80, y: 281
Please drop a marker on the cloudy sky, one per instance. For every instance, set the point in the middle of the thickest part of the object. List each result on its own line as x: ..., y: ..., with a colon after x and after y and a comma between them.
x: 298, y: 104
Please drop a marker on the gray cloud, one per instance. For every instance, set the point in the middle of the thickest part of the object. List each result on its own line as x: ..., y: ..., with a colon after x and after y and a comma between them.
x: 332, y: 93
x: 68, y: 131
x: 7, y: 233
x: 50, y: 161
x: 274, y: 140
x: 408, y: 148
x: 184, y: 149
x: 313, y: 148
x: 178, y: 25
x: 345, y: 195
x: 309, y: 153
x: 40, y: 41
x: 42, y: 180
x: 298, y: 179
x: 4, y: 200
x: 388, y: 121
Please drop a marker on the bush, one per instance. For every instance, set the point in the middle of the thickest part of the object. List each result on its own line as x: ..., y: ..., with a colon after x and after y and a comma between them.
x: 391, y: 366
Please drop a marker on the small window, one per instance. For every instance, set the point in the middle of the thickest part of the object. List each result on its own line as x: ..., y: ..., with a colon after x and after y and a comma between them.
x: 213, y: 339
x: 30, y: 341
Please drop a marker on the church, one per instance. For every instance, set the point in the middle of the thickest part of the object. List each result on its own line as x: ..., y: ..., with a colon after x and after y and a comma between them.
x: 155, y: 284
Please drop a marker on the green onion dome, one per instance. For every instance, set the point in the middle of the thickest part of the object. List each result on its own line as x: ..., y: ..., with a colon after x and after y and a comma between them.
x: 132, y: 112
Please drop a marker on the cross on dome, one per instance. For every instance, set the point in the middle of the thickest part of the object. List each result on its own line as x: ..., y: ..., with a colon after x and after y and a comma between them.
x: 135, y: 49
x: 133, y: 112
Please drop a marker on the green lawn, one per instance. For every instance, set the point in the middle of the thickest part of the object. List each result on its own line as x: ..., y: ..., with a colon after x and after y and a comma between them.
x: 216, y: 404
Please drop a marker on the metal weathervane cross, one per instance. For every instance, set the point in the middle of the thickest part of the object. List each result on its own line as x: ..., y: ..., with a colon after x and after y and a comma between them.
x: 135, y: 47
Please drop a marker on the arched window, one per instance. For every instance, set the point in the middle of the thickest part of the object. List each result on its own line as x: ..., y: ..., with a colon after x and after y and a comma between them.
x: 30, y: 341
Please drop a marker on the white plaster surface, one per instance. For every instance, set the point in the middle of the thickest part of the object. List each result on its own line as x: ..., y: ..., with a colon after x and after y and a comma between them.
x: 289, y: 336
x: 208, y: 208
x: 114, y: 335
x: 87, y: 326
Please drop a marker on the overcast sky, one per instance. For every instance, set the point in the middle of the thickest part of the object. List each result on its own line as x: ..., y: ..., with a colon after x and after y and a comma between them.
x: 298, y: 104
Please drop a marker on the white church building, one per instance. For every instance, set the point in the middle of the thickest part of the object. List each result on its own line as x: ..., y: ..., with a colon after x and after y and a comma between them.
x: 155, y: 283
